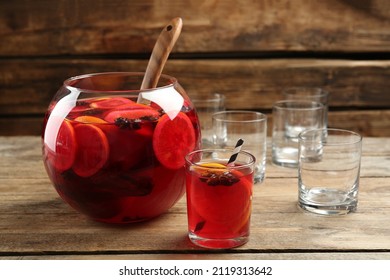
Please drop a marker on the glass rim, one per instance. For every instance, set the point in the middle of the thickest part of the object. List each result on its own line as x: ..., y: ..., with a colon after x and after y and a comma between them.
x: 326, y: 131
x: 241, y: 166
x: 260, y: 116
x: 315, y: 105
x: 68, y: 82
x: 306, y: 91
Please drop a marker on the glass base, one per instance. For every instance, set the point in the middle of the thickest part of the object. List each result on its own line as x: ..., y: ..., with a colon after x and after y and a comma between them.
x: 328, y: 210
x: 285, y: 157
x: 218, y: 243
x: 327, y: 201
x: 207, y: 144
x: 285, y: 163
x: 259, y: 178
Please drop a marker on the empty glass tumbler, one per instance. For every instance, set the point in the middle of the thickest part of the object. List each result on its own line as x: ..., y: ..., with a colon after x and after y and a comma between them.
x: 291, y: 117
x: 251, y: 126
x: 315, y: 94
x: 329, y: 168
x: 205, y: 107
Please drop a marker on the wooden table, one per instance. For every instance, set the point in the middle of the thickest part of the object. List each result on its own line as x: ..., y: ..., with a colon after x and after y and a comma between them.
x: 36, y: 224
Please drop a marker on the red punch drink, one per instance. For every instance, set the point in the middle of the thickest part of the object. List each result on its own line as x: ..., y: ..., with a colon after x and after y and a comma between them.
x: 219, y: 198
x: 114, y: 159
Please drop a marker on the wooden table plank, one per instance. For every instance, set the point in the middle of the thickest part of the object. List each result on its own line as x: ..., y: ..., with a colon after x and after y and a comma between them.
x: 373, y: 123
x: 213, y: 256
x: 356, y: 97
x: 47, y: 27
x: 20, y: 157
x: 50, y: 226
x: 36, y: 223
x: 246, y: 83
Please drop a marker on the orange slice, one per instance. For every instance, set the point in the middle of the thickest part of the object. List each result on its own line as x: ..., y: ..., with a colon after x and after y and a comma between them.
x: 223, y: 204
x: 133, y: 105
x: 93, y: 150
x: 110, y: 102
x: 213, y: 164
x: 173, y: 139
x: 215, y: 168
x: 89, y: 119
x: 209, y: 166
x: 131, y: 114
x: 65, y: 148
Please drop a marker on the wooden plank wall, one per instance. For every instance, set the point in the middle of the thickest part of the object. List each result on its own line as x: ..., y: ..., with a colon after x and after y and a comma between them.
x: 248, y: 50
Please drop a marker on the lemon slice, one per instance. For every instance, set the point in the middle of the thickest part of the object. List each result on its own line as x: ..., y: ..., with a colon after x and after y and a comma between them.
x: 213, y: 164
x: 209, y: 166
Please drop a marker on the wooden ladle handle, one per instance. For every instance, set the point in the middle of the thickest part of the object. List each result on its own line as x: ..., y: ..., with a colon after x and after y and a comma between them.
x: 160, y: 53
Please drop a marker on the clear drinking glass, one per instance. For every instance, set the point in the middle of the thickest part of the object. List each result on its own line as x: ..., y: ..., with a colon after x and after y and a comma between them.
x: 251, y: 126
x: 329, y: 168
x: 113, y: 159
x: 205, y: 108
x: 219, y: 197
x: 291, y: 117
x: 315, y: 94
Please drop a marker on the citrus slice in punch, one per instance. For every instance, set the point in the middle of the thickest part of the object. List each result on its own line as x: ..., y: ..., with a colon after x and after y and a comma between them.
x: 209, y: 166
x: 214, y: 167
x: 89, y: 119
x: 110, y: 102
x: 213, y: 164
x: 133, y: 105
x: 173, y: 139
x: 222, y: 204
x: 131, y: 114
x: 92, y: 151
x: 65, y: 148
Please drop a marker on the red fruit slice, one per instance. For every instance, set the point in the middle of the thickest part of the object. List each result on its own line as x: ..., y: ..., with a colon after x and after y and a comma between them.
x: 92, y: 150
x: 65, y: 147
x: 208, y: 228
x: 81, y: 109
x: 131, y: 114
x: 132, y: 106
x: 173, y: 139
x: 223, y: 204
x: 111, y: 102
x: 89, y: 119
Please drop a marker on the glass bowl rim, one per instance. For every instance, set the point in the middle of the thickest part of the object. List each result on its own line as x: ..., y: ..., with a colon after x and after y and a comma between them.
x: 67, y: 83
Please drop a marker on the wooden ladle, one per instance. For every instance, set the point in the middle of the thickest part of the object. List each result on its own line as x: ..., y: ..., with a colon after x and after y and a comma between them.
x: 160, y: 53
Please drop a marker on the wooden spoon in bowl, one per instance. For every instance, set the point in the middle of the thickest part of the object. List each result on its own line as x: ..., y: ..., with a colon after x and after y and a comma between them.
x: 160, y: 53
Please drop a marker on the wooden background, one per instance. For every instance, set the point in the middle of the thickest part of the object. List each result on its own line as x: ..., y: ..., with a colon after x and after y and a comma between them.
x: 247, y: 50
